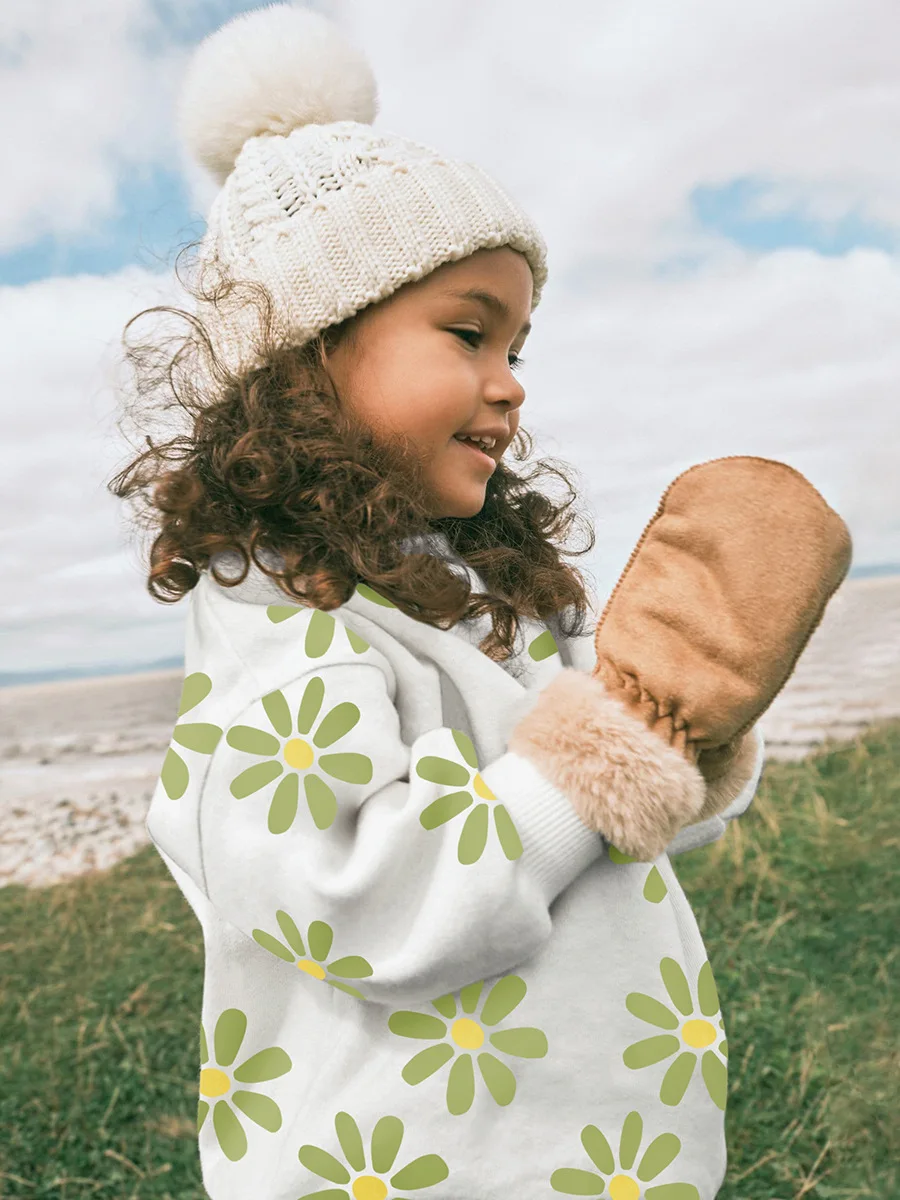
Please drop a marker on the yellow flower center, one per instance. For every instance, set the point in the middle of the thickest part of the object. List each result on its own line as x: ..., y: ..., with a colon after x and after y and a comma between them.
x: 213, y: 1082
x: 467, y: 1033
x: 311, y: 968
x: 298, y: 754
x: 623, y: 1187
x: 698, y: 1033
x: 481, y: 788
x: 367, y: 1187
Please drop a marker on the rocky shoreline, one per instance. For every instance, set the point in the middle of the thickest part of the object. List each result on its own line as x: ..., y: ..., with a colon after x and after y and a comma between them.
x: 79, y: 759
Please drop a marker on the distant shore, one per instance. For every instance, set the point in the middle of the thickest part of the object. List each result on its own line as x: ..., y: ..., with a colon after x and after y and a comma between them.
x: 79, y: 757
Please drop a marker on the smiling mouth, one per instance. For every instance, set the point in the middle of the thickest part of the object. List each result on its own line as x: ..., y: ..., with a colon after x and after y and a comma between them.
x: 473, y: 449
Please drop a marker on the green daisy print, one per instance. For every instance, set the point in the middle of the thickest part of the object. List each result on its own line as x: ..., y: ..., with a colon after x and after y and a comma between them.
x: 319, y: 632
x: 467, y: 1034
x: 369, y: 593
x: 319, y: 938
x: 466, y: 777
x: 543, y: 646
x: 690, y: 1037
x: 199, y: 737
x: 217, y: 1084
x: 387, y: 1135
x: 294, y: 757
x: 618, y: 1178
x: 655, y: 888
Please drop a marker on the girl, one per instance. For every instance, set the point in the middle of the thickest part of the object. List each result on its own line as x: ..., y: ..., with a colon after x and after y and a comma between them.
x: 423, y: 972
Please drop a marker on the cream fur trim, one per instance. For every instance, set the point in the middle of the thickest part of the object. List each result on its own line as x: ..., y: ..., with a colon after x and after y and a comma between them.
x: 622, y: 779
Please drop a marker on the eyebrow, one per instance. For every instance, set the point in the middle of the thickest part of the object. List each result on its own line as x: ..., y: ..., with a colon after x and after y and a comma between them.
x: 489, y: 300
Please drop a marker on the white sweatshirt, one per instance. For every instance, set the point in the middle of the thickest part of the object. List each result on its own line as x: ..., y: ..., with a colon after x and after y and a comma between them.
x: 423, y: 973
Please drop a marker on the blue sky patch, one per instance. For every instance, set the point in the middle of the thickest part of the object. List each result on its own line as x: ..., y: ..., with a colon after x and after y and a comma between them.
x: 728, y: 209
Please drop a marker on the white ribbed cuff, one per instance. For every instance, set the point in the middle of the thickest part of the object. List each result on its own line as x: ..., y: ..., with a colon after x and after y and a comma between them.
x: 557, y: 846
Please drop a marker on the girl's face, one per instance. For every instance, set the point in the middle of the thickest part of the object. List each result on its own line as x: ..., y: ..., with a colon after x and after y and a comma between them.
x: 430, y: 362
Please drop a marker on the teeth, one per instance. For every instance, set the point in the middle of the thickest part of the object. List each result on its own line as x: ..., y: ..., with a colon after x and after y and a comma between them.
x: 487, y: 442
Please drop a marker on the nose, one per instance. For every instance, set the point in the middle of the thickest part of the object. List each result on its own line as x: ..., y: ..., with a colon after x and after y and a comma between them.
x: 503, y: 386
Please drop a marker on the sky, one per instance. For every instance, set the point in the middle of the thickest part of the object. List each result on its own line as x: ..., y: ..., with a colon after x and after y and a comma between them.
x: 717, y: 181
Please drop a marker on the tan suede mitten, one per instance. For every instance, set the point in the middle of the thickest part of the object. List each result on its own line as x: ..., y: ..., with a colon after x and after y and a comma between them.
x: 718, y: 600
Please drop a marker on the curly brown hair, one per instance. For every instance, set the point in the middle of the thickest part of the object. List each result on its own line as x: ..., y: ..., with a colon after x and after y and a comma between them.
x: 267, y: 462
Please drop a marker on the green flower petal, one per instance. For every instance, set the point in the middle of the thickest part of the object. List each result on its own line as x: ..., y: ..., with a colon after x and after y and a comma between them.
x: 662, y: 1151
x: 321, y: 1163
x: 470, y: 995
x: 645, y: 1008
x: 283, y: 808
x: 676, y: 985
x: 229, y: 1131
x: 273, y: 945
x: 630, y: 1140
x: 320, y: 800
x: 501, y: 1082
x: 202, y: 1111
x: 350, y: 1138
x: 313, y: 695
x: 261, y: 1067
x: 254, y: 778
x: 327, y: 1194
x: 677, y: 1078
x: 279, y: 714
x: 291, y: 933
x: 386, y: 1139
x: 617, y: 856
x: 349, y: 768
x: 577, y: 1183
x: 228, y: 1036
x: 446, y: 1005
x: 421, y: 1172
x: 281, y: 612
x: 345, y: 987
x: 444, y: 809
x: 426, y: 1062
x: 351, y: 967
x: 260, y: 1109
x: 510, y: 841
x: 336, y: 724
x: 523, y: 1043
x: 465, y: 747
x: 442, y: 771
x: 174, y: 775
x: 505, y: 996
x: 195, y: 688
x: 201, y: 738
x: 319, y: 634
x: 417, y: 1025
x: 723, y: 1048
x: 655, y: 886
x: 706, y: 991
x: 649, y: 1051
x: 461, y: 1086
x: 204, y: 1049
x: 473, y: 838
x: 715, y: 1076
x: 598, y: 1149
x: 369, y: 593
x: 673, y: 1191
x: 319, y: 938
x: 358, y: 644
x: 543, y: 646
x: 252, y: 741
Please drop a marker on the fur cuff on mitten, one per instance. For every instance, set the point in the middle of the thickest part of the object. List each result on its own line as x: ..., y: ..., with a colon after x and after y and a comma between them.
x: 622, y: 779
x: 726, y: 771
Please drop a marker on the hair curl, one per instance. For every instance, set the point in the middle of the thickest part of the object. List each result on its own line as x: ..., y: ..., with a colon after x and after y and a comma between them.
x: 267, y: 461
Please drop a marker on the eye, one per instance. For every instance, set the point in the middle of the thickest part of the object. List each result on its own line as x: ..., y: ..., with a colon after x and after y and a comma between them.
x: 515, y: 362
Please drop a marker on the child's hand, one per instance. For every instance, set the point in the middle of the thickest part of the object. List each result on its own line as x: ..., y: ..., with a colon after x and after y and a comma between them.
x: 721, y: 594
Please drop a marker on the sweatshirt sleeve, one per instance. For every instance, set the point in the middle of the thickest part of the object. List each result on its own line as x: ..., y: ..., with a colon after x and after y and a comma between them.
x: 402, y: 871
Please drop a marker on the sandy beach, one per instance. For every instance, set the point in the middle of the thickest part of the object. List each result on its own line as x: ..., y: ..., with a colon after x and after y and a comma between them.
x: 79, y: 759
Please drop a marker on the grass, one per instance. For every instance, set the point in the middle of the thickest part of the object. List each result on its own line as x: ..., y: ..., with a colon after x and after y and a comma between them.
x: 101, y: 983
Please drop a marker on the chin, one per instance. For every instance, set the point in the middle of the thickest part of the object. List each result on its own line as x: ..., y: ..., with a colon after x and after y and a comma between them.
x: 461, y: 506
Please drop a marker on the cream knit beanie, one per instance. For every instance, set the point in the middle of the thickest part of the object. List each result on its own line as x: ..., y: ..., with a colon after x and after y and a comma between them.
x: 329, y: 214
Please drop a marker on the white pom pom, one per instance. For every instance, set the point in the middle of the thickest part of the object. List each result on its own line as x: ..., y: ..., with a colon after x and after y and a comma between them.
x: 270, y: 70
